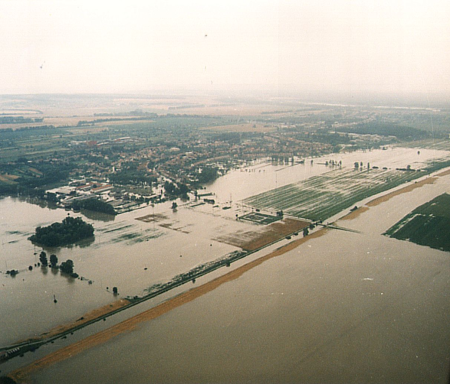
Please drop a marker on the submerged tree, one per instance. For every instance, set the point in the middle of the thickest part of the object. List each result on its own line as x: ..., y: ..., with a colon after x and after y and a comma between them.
x: 67, y: 267
x: 43, y: 259
x: 53, y: 260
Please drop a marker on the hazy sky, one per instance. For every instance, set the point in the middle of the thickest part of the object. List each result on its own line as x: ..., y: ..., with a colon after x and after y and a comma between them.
x: 139, y: 45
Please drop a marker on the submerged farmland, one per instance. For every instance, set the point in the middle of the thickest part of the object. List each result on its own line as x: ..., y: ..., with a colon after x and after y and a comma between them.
x: 426, y: 225
x: 321, y: 197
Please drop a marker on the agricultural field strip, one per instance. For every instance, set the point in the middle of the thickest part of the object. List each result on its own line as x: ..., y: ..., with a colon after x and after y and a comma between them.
x: 321, y: 196
x: 289, y: 195
x: 427, y: 225
x: 129, y: 233
x: 334, y: 206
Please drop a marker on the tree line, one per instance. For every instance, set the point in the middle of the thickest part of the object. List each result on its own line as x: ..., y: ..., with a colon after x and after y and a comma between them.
x: 94, y: 205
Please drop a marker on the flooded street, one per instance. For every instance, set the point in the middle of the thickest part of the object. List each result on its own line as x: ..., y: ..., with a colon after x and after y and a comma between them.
x: 344, y: 307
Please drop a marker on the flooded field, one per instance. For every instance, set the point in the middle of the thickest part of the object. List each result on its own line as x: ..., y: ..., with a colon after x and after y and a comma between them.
x: 265, y: 175
x: 135, y: 250
x: 321, y: 197
x: 344, y: 307
x: 129, y: 254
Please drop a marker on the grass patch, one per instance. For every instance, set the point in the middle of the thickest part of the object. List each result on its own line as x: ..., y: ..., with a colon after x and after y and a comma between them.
x: 426, y: 225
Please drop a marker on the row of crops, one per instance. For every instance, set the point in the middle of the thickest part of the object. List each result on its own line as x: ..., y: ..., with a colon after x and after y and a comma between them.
x: 321, y: 197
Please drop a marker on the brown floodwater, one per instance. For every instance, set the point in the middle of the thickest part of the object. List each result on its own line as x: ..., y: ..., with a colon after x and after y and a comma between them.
x: 269, y: 325
x: 342, y: 308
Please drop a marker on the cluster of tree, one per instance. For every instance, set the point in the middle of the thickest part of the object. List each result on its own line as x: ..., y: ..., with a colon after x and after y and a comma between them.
x: 360, y: 165
x: 44, y: 261
x: 326, y: 137
x: 172, y: 190
x: 50, y: 174
x: 18, y: 132
x: 207, y: 175
x: 19, y: 120
x: 29, y: 181
x: 94, y: 205
x: 231, y: 137
x: 65, y: 267
x: 142, y: 117
x: 68, y: 232
x: 8, y: 189
x: 131, y: 177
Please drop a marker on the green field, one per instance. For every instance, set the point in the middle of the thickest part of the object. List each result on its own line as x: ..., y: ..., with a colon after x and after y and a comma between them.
x: 426, y: 225
x: 321, y: 197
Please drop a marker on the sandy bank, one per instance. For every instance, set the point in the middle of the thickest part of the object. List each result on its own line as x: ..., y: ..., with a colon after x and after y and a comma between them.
x: 444, y: 173
x: 95, y: 314
x: 92, y: 315
x: 354, y: 214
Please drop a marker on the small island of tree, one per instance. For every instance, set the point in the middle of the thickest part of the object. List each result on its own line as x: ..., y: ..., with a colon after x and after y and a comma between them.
x: 67, y: 267
x: 68, y: 232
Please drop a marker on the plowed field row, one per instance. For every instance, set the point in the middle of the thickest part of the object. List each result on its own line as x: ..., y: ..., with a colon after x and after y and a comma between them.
x: 320, y: 197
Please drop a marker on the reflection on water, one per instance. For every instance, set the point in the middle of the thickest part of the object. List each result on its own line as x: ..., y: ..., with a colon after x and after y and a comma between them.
x: 97, y: 216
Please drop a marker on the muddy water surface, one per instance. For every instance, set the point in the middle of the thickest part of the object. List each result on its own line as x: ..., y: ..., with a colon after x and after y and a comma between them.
x: 342, y: 308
